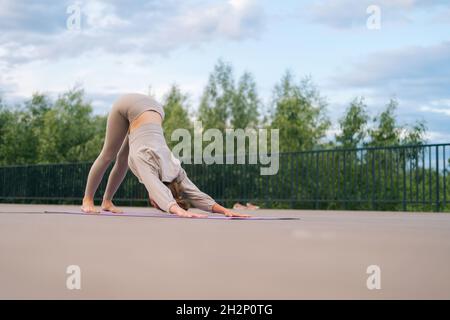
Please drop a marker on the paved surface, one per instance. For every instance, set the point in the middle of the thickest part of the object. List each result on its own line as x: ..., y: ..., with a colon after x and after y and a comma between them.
x: 323, y: 255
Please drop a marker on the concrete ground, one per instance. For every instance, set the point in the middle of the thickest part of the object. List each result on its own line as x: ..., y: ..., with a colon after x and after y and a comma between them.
x: 324, y: 255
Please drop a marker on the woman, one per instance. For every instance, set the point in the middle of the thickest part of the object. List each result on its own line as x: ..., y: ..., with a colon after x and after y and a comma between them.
x: 150, y: 159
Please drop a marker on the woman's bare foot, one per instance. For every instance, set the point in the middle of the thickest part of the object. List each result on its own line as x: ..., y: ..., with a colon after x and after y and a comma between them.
x: 88, y: 206
x: 107, y: 205
x: 251, y: 206
x: 238, y: 206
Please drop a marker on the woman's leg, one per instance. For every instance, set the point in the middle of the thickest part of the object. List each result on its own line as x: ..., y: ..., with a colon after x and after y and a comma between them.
x: 116, y: 130
x: 118, y: 173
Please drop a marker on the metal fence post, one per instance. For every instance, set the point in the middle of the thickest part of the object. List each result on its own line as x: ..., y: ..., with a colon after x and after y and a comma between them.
x: 437, y: 180
x: 404, y: 180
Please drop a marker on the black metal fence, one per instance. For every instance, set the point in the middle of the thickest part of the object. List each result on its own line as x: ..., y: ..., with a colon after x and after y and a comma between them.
x: 381, y: 178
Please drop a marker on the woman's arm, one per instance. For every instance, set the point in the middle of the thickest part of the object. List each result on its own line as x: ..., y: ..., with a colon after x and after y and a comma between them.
x: 195, y: 196
x: 179, y: 211
x: 216, y: 208
x: 176, y: 209
x: 203, y: 201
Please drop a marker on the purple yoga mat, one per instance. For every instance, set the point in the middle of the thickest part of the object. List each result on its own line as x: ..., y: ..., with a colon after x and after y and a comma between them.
x: 162, y: 215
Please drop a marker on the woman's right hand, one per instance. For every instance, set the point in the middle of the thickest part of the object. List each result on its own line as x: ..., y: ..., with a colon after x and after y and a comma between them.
x: 176, y: 209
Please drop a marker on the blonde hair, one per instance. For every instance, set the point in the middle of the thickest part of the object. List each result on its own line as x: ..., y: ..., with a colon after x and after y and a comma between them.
x: 175, y: 188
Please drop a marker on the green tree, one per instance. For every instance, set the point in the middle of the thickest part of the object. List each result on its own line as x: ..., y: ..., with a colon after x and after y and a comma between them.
x: 19, y: 141
x: 353, y: 125
x: 386, y: 131
x: 215, y: 106
x: 299, y: 113
x: 176, y: 114
x: 415, y: 134
x: 38, y: 106
x: 90, y: 149
x: 6, y: 117
x: 244, y: 110
x: 68, y: 126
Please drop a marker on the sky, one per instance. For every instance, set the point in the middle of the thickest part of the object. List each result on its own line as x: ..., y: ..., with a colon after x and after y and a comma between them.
x: 121, y: 46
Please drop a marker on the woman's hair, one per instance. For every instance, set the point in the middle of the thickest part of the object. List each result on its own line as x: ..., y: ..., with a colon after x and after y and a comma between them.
x: 174, y: 187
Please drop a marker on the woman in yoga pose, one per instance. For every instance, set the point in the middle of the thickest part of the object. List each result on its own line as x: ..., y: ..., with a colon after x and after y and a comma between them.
x: 134, y: 136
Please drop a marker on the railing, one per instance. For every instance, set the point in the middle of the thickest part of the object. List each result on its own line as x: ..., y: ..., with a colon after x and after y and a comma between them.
x: 402, y: 178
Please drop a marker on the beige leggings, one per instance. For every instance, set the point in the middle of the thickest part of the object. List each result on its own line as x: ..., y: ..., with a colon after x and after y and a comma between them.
x: 124, y: 111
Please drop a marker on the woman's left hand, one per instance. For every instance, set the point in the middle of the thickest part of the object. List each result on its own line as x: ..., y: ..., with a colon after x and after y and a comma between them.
x: 230, y: 213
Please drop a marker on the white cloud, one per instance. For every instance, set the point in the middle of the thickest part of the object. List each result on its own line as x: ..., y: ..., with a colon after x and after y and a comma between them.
x: 101, y: 15
x: 437, y: 137
x: 117, y: 45
x: 343, y: 14
x: 121, y: 27
x: 416, y: 72
x: 438, y: 106
x: 436, y: 110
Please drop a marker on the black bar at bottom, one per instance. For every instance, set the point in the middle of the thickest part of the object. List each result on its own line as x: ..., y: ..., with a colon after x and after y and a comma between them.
x: 224, y: 309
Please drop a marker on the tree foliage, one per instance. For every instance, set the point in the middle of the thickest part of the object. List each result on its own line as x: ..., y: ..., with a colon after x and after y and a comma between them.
x: 353, y: 125
x: 42, y: 131
x: 177, y: 115
x: 225, y: 104
x: 299, y: 113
